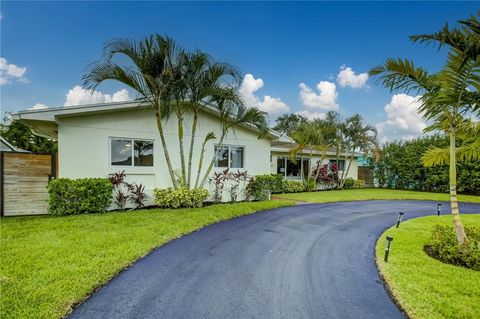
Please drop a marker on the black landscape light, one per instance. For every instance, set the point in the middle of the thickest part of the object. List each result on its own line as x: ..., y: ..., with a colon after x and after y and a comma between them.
x: 438, y: 209
x: 387, y: 249
x: 399, y: 219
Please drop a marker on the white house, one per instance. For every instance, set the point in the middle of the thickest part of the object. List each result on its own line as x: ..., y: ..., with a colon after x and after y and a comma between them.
x: 97, y: 140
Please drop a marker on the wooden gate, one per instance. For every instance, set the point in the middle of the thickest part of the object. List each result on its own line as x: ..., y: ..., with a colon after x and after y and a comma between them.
x: 24, y: 180
x: 366, y: 174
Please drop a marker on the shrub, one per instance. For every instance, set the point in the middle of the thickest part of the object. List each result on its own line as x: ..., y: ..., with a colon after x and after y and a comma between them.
x: 279, y: 183
x: 310, y: 184
x: 260, y: 187
x: 359, y: 183
x: 178, y: 198
x: 293, y: 186
x: 349, y: 183
x: 79, y: 196
x: 443, y: 246
x: 353, y: 183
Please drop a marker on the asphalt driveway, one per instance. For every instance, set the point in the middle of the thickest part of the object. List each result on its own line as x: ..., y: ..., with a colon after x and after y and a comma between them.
x: 307, y: 261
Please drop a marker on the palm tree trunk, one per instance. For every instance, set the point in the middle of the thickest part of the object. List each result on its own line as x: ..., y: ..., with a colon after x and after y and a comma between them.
x: 182, y: 151
x: 457, y: 223
x: 165, y: 150
x: 190, y: 153
x: 200, y: 163
x: 210, y: 166
x: 348, y: 169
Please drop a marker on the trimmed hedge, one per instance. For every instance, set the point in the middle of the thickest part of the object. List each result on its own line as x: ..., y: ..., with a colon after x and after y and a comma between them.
x: 443, y: 246
x: 178, y: 198
x: 293, y: 186
x: 79, y: 196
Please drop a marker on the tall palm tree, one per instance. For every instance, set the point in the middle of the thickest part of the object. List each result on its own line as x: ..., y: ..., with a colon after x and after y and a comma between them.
x: 234, y: 113
x: 447, y: 97
x: 358, y: 137
x: 205, y: 79
x: 336, y: 136
x: 150, y: 74
x: 311, y: 135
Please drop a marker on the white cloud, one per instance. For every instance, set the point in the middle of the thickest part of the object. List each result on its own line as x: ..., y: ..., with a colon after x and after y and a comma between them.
x: 10, y: 72
x: 38, y: 106
x: 347, y: 77
x: 403, y: 119
x: 271, y: 105
x: 79, y: 96
x: 311, y: 115
x: 325, y: 101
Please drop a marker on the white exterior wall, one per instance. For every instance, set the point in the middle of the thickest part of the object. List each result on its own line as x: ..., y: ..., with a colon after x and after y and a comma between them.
x: 353, y: 171
x: 84, y: 146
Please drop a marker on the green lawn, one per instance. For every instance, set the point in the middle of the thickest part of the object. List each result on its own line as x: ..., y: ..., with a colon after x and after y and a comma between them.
x: 371, y: 193
x: 426, y: 287
x: 50, y: 263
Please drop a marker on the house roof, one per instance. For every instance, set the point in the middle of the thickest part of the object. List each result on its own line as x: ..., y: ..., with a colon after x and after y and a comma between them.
x: 43, y: 122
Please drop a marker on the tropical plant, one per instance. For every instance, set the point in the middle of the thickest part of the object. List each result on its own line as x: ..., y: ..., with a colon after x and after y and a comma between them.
x: 313, y: 136
x: 447, y: 96
x: 151, y: 74
x: 234, y: 113
x: 359, y: 137
x: 174, y: 82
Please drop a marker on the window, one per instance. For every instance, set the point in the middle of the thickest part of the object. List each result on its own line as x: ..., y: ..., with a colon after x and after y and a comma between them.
x: 130, y: 152
x: 229, y: 156
x: 292, y: 169
x: 341, y: 164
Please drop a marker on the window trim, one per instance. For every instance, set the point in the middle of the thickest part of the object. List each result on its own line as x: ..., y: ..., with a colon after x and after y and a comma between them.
x: 229, y: 156
x: 132, y: 140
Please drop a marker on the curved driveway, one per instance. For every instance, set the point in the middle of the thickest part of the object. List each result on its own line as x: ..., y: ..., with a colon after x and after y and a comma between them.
x: 307, y: 261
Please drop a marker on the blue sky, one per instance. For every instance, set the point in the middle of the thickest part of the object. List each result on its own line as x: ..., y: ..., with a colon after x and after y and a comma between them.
x: 46, y: 46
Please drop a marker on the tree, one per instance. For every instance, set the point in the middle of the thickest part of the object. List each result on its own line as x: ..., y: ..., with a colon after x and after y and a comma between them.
x: 150, y: 74
x: 205, y: 79
x: 447, y: 96
x: 311, y: 135
x: 21, y: 136
x: 175, y: 83
x: 288, y: 123
x: 233, y: 112
x: 359, y: 137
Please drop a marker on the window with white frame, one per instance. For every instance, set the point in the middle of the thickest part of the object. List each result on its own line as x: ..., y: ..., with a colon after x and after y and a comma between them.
x: 229, y: 156
x: 131, y: 152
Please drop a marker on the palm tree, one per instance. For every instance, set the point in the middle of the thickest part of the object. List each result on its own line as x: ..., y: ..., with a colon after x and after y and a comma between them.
x: 151, y: 75
x: 205, y: 79
x: 234, y: 113
x: 335, y: 136
x: 358, y: 137
x: 468, y: 151
x: 447, y: 96
x: 311, y: 135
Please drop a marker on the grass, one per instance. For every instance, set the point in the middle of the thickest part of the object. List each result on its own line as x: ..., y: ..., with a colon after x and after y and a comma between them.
x: 372, y: 193
x: 48, y: 264
x: 423, y: 286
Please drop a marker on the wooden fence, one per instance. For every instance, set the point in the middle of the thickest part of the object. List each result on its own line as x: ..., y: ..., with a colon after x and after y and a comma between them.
x: 24, y: 179
x: 366, y: 174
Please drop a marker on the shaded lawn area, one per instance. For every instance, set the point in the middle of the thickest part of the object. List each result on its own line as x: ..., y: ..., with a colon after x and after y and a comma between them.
x: 50, y: 263
x: 423, y: 286
x: 372, y: 193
